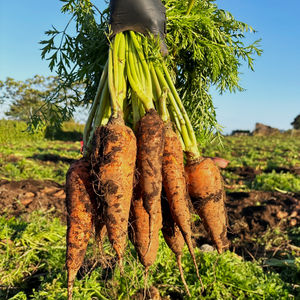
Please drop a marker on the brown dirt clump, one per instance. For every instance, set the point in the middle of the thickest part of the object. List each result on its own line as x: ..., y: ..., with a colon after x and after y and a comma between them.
x: 19, y: 198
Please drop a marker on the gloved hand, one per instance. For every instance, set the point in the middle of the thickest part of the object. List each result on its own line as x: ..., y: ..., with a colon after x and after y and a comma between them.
x: 140, y: 16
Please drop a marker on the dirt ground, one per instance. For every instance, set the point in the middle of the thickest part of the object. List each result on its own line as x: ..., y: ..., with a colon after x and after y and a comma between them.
x: 250, y: 215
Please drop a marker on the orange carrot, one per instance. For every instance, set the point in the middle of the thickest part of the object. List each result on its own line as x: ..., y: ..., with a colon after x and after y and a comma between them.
x: 139, y: 223
x: 150, y: 145
x: 173, y: 237
x: 175, y: 187
x: 80, y: 202
x: 113, y: 163
x: 206, y: 191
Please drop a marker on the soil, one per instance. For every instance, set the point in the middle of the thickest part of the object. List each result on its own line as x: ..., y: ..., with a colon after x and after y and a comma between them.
x: 19, y: 198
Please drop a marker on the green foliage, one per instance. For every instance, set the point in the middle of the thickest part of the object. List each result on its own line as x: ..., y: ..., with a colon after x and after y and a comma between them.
x: 13, y: 131
x: 258, y: 152
x: 27, y: 98
x: 274, y: 181
x: 78, y: 58
x: 38, y: 246
x: 205, y: 48
x: 70, y: 131
x: 40, y: 160
x: 261, y: 155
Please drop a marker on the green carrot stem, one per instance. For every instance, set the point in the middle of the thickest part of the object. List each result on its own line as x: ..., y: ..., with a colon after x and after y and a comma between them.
x: 116, y: 43
x: 101, y: 108
x: 174, y: 118
x: 132, y: 60
x: 104, y: 102
x: 182, y: 109
x: 107, y: 114
x: 164, y: 115
x: 88, y: 125
x: 176, y: 125
x: 126, y: 112
x: 141, y: 108
x: 115, y: 108
x: 186, y: 139
x: 135, y: 110
x: 121, y: 87
x: 163, y: 105
x: 156, y: 90
x: 139, y: 74
x: 190, y: 6
x: 148, y: 86
x: 146, y: 48
x: 133, y: 79
x: 163, y: 83
x: 142, y: 78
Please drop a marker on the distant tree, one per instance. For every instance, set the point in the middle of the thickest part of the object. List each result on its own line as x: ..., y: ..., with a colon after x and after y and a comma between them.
x: 296, y: 123
x: 26, y: 98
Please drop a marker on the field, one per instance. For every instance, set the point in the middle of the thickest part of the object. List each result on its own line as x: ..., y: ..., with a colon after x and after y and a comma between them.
x: 263, y: 202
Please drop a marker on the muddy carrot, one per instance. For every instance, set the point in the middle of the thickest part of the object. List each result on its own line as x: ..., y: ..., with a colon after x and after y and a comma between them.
x: 205, y: 183
x: 174, y: 182
x: 80, y: 202
x: 113, y: 163
x: 139, y: 224
x: 149, y: 130
x: 150, y: 145
x: 206, y: 191
x: 173, y: 237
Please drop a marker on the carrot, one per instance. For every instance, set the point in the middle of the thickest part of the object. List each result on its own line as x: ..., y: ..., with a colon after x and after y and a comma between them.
x: 150, y: 145
x: 113, y: 163
x: 139, y: 223
x: 206, y: 191
x: 80, y: 202
x: 174, y: 182
x: 173, y: 237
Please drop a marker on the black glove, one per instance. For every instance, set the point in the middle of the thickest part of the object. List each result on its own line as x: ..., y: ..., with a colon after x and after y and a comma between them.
x: 140, y: 16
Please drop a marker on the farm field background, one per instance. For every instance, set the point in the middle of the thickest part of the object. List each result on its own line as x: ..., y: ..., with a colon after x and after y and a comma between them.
x: 263, y: 201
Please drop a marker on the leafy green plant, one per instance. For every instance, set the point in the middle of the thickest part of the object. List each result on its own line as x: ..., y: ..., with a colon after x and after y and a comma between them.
x: 273, y: 181
x: 258, y: 152
x: 31, y: 246
x: 40, y: 160
x: 13, y: 131
x: 38, y: 246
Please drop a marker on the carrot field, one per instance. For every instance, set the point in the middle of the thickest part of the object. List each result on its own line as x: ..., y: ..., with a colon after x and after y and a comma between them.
x: 263, y: 202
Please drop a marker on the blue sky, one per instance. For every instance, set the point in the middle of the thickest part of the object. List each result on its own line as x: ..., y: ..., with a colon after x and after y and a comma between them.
x: 272, y: 94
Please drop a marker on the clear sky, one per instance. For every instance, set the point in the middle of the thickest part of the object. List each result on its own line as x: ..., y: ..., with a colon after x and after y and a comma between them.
x: 272, y: 94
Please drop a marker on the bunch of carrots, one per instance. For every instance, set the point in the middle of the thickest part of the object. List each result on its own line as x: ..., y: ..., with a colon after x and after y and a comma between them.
x: 132, y: 177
